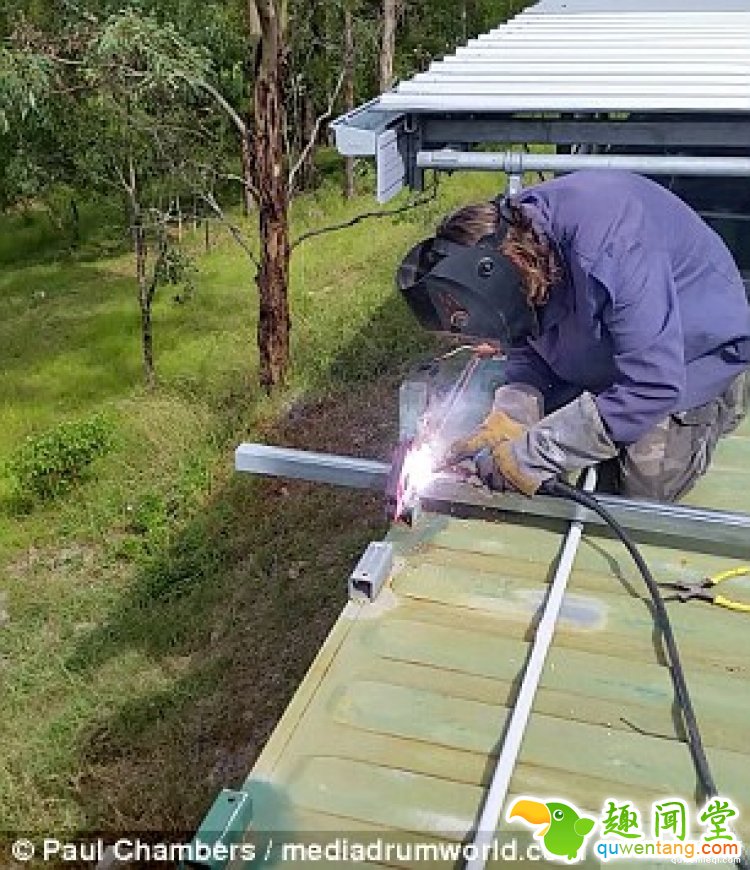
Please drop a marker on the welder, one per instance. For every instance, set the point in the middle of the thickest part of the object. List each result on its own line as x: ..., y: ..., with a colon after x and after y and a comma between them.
x: 625, y: 322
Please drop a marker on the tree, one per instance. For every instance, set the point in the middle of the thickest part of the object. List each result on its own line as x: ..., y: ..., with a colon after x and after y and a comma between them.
x: 273, y: 175
x: 270, y: 188
x: 122, y: 99
x: 388, y: 43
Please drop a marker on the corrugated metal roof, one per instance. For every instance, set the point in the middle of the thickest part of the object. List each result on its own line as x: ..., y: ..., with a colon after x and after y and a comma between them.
x: 595, y: 56
x: 394, y: 728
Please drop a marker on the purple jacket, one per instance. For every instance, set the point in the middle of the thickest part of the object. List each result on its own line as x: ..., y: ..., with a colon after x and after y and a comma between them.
x: 651, y: 314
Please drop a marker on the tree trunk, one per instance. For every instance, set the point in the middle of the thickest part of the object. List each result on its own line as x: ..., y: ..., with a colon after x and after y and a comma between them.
x: 270, y: 179
x: 388, y: 44
x: 348, y: 94
x: 145, y: 298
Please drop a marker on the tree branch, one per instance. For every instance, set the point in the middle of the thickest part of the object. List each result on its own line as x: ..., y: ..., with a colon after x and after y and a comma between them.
x: 364, y: 216
x: 64, y: 61
x: 123, y: 182
x: 245, y: 182
x: 316, y: 131
x: 225, y: 105
x: 230, y: 176
x: 210, y: 201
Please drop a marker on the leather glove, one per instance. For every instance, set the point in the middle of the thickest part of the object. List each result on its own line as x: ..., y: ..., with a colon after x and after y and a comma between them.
x: 496, y: 428
x: 569, y: 439
x: 515, y: 407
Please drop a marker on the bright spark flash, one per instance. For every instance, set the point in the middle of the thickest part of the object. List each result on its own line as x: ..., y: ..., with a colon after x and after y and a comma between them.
x: 419, y: 468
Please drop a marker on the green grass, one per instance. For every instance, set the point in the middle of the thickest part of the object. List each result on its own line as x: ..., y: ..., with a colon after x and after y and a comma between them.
x: 154, y: 621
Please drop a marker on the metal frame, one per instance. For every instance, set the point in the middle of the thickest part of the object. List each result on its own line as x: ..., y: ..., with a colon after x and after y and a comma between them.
x: 518, y: 162
x: 356, y: 133
x: 688, y: 525
x: 671, y: 76
x: 447, y: 496
x: 656, y: 131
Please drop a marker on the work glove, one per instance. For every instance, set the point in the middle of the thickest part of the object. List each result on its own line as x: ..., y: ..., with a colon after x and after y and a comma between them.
x: 521, y: 402
x: 488, y: 470
x: 569, y: 439
x: 515, y: 407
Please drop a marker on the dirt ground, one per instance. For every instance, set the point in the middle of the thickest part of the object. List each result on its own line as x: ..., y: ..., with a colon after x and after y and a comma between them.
x: 283, y: 551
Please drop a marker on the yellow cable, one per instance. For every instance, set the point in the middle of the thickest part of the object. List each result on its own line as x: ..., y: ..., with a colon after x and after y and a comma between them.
x: 722, y: 600
x: 733, y: 572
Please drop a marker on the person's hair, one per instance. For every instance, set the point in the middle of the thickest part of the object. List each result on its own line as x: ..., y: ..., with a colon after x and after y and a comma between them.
x: 529, y: 251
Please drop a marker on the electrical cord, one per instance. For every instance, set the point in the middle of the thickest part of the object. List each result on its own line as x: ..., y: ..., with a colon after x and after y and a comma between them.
x: 560, y: 489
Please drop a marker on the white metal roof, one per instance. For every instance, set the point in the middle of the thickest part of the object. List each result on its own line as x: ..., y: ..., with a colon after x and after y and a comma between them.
x: 594, y: 55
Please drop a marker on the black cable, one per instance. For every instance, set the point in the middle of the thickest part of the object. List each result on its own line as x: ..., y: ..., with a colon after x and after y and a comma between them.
x: 560, y: 489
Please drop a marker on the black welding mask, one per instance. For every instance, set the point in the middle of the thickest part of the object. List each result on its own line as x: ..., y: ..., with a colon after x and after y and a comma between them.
x: 469, y: 290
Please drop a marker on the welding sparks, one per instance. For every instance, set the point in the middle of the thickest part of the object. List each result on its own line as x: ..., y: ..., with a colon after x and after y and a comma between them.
x: 416, y: 472
x: 419, y: 468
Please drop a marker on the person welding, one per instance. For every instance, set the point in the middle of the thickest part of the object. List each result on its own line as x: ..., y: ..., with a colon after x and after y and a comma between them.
x: 625, y: 321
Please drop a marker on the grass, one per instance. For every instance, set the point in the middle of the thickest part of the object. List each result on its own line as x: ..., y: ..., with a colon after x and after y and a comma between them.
x: 155, y: 621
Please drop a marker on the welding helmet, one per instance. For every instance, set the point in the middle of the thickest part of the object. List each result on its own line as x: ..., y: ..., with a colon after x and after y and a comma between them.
x: 472, y: 290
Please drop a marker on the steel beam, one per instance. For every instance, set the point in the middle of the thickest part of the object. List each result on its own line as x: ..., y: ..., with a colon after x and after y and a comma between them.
x: 448, y: 496
x: 683, y: 523
x: 316, y: 467
x: 517, y: 162
x: 677, y: 133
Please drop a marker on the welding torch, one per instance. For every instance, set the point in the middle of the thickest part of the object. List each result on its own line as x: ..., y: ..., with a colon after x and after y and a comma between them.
x: 418, y: 459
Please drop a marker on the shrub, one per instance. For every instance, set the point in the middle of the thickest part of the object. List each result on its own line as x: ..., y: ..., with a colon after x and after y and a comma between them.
x: 49, y: 464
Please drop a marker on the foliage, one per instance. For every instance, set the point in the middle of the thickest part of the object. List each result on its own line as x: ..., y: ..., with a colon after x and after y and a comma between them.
x: 139, y: 57
x: 98, y: 98
x: 49, y: 464
x: 176, y: 268
x: 23, y: 75
x: 124, y: 109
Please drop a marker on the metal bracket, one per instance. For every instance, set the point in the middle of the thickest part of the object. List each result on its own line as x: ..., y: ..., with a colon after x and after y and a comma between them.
x: 357, y: 131
x: 515, y: 184
x: 223, y: 826
x: 373, y: 569
x: 390, y: 160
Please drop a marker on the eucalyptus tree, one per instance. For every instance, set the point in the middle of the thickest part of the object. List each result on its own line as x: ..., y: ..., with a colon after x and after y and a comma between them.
x: 122, y: 102
x: 389, y: 23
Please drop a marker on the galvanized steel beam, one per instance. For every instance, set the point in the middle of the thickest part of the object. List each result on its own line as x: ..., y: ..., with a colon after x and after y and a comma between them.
x: 316, y: 467
x: 448, y: 496
x: 517, y: 162
x: 680, y: 522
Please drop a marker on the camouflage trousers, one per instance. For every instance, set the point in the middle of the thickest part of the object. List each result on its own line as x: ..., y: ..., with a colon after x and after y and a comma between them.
x: 668, y: 460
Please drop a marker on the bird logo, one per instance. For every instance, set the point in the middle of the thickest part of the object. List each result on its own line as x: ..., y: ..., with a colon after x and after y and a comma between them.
x: 564, y: 830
